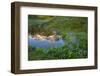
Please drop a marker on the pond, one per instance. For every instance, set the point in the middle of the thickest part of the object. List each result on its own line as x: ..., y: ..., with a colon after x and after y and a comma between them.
x: 70, y: 41
x: 45, y: 43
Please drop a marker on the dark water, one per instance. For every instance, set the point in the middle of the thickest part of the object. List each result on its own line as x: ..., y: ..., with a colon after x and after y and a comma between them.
x: 45, y: 43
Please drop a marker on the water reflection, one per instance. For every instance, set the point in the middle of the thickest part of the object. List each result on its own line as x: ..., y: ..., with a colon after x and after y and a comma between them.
x: 53, y: 41
x: 45, y: 43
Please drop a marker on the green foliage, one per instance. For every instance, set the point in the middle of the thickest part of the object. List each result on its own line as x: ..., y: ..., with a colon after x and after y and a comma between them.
x: 38, y: 24
x: 72, y: 29
x: 64, y: 52
x: 31, y: 48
